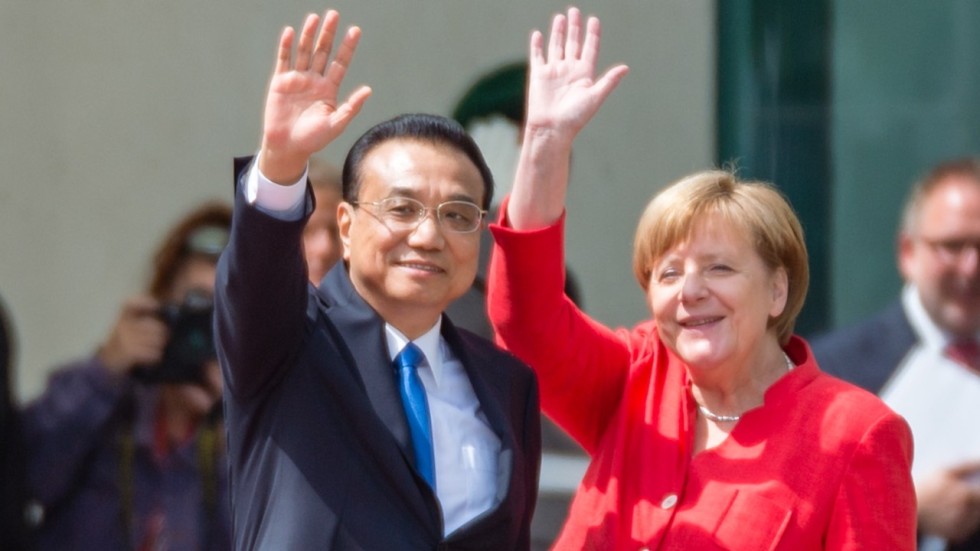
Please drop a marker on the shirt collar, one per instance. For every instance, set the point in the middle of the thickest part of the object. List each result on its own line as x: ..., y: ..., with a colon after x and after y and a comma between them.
x: 932, y: 336
x: 428, y: 343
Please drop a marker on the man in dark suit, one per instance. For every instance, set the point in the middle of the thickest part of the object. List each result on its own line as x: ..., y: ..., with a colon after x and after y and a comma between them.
x: 330, y: 444
x: 920, y: 354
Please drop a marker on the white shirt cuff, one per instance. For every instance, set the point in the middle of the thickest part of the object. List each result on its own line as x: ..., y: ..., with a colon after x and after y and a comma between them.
x: 282, y: 202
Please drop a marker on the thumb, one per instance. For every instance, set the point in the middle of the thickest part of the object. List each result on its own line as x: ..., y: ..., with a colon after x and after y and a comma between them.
x: 609, y: 81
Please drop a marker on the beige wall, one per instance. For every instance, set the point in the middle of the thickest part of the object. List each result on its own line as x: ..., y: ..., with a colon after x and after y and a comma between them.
x: 116, y: 117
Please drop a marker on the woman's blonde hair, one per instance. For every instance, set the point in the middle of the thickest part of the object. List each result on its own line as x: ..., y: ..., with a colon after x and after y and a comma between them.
x: 755, y: 208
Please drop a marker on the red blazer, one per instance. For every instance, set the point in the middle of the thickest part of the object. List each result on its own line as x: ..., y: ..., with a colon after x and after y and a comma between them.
x: 821, y: 465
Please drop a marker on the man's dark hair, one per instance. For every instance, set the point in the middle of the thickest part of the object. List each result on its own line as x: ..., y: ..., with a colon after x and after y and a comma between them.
x: 432, y: 129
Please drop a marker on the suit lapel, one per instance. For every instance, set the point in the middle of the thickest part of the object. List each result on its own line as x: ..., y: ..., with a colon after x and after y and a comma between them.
x: 489, y: 383
x: 363, y: 332
x: 890, y: 348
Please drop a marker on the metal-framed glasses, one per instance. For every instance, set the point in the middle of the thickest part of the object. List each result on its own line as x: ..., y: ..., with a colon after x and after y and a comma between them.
x: 405, y: 214
x: 951, y: 251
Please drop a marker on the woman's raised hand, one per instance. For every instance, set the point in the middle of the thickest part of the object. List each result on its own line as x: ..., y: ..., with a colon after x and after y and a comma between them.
x: 563, y: 91
x: 563, y: 94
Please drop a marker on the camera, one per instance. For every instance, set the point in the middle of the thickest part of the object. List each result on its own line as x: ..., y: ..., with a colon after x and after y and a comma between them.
x: 191, y: 341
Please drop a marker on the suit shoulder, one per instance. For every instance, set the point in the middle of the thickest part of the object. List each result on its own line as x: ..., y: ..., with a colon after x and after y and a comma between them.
x: 867, y: 352
x: 888, y: 329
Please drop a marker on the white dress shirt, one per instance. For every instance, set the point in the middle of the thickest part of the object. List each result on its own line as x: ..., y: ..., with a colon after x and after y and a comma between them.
x: 938, y: 397
x: 465, y: 447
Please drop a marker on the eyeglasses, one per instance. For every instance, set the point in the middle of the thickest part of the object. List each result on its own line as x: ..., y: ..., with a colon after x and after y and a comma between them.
x: 405, y: 213
x: 952, y: 250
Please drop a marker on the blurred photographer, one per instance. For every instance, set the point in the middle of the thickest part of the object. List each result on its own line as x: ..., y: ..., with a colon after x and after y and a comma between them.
x: 126, y: 448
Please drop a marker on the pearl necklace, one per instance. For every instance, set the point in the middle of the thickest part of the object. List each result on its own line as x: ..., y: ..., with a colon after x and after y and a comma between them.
x: 733, y: 418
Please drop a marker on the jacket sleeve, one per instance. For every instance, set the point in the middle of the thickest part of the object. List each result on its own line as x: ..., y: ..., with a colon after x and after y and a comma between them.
x: 63, y: 426
x: 875, y: 506
x: 261, y: 296
x: 581, y: 365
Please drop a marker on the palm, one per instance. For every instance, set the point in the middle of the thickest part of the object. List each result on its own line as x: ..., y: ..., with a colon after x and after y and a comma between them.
x: 302, y: 110
x: 563, y: 91
x: 562, y: 94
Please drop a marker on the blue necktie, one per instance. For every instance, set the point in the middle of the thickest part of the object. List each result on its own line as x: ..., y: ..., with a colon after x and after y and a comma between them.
x: 416, y: 410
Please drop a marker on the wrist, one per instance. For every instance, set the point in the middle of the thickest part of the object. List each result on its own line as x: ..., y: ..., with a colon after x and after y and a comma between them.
x: 546, y: 136
x: 280, y: 167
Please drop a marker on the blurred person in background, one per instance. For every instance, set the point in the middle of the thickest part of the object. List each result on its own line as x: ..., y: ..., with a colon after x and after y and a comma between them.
x: 921, y: 353
x: 126, y: 445
x: 321, y: 236
x: 14, y: 532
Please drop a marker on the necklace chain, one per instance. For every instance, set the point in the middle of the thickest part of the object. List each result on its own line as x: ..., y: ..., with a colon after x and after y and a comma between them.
x: 718, y: 418
x: 733, y: 418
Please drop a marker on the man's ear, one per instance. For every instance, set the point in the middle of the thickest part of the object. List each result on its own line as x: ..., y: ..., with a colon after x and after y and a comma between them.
x: 906, y: 255
x: 345, y: 219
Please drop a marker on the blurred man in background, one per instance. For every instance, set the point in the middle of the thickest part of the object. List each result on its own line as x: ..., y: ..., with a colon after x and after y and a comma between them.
x: 321, y: 237
x: 920, y: 354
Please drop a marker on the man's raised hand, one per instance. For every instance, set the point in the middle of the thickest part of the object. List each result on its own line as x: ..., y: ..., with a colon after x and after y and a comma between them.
x: 302, y: 112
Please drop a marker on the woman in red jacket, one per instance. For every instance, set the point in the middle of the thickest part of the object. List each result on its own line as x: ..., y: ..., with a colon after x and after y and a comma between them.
x: 709, y: 426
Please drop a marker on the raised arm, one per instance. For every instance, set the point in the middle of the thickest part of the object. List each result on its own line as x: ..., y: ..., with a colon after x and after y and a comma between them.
x: 302, y: 113
x: 563, y: 95
x: 581, y: 365
x: 261, y: 294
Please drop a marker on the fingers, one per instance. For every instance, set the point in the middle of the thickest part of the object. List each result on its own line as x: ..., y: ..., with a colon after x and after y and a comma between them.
x: 306, y: 38
x: 535, y: 51
x: 338, y: 69
x: 565, y: 42
x: 139, y: 306
x: 313, y: 49
x: 138, y: 336
x: 350, y: 108
x: 324, y: 43
x: 593, y: 34
x: 556, y: 42
x: 285, y: 48
x: 610, y: 80
x: 213, y: 381
x: 573, y: 45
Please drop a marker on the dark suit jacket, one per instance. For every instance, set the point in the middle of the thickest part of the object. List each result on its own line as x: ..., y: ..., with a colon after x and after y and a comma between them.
x: 318, y: 443
x: 867, y: 354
